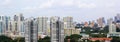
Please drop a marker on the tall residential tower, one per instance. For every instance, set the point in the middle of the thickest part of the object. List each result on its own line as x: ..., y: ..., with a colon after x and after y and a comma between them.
x: 57, y: 29
x: 31, y: 30
x: 68, y: 22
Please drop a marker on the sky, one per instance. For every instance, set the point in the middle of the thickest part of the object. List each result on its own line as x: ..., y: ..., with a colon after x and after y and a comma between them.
x: 80, y: 10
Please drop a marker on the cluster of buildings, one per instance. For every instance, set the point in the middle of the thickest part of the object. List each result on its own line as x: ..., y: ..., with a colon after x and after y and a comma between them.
x: 55, y: 27
x: 114, y: 26
x: 34, y: 28
x: 100, y: 23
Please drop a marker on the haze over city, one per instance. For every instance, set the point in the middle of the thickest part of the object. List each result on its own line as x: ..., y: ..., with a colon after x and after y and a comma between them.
x: 81, y: 10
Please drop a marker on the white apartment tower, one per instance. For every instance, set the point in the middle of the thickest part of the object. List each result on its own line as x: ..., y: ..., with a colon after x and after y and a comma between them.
x: 4, y: 24
x: 57, y: 29
x: 31, y: 30
x: 18, y: 24
x: 42, y: 25
x: 112, y: 26
x: 68, y: 22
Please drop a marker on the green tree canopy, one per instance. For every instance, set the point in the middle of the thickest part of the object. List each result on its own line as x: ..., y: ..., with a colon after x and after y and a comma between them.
x: 5, y: 39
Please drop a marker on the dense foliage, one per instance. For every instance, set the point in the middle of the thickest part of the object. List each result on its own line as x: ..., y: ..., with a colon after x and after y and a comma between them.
x: 72, y: 38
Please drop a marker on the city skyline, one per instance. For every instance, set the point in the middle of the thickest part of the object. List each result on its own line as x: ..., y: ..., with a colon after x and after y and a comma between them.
x: 81, y: 10
x: 74, y: 19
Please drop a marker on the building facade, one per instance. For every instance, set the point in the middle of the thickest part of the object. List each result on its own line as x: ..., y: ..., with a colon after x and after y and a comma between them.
x: 70, y: 31
x: 101, y: 22
x: 42, y: 28
x: 57, y: 29
x: 112, y: 29
x: 68, y: 22
x: 4, y: 24
x: 31, y: 30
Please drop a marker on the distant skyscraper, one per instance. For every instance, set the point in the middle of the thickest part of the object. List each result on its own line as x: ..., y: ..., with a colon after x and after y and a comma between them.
x: 86, y: 24
x: 22, y: 29
x: 31, y: 30
x: 19, y: 24
x: 42, y: 25
x: 92, y: 24
x: 48, y: 28
x: 112, y: 26
x: 19, y: 17
x: 117, y: 18
x: 68, y: 22
x: 4, y: 24
x: 101, y: 22
x: 109, y: 21
x: 57, y: 29
x: 1, y: 28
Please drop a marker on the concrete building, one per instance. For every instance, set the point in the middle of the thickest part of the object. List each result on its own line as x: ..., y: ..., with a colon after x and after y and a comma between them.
x: 48, y: 28
x: 1, y: 27
x: 18, y: 25
x: 31, y: 30
x: 42, y: 25
x: 86, y: 24
x: 92, y: 24
x: 114, y: 34
x: 117, y: 18
x: 68, y: 22
x: 4, y: 24
x: 57, y: 29
x: 101, y: 22
x: 70, y: 31
x: 112, y: 26
x: 112, y: 29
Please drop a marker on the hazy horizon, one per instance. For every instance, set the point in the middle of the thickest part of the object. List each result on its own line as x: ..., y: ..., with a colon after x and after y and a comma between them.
x: 80, y: 10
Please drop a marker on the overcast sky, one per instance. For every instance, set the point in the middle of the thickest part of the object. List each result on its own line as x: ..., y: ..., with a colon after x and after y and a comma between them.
x: 81, y: 10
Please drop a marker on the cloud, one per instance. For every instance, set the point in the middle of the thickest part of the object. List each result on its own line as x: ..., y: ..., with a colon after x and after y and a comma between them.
x: 6, y: 2
x: 46, y: 4
x: 64, y: 2
x: 61, y: 3
x: 84, y: 5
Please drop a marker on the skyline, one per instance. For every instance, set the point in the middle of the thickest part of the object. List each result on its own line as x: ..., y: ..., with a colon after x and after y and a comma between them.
x: 80, y: 10
x: 95, y: 20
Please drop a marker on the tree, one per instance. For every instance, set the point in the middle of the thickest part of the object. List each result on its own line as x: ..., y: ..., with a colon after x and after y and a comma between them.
x: 46, y: 39
x: 97, y: 41
x: 73, y: 38
x: 98, y: 35
x: 19, y: 39
x: 5, y: 39
x: 115, y: 39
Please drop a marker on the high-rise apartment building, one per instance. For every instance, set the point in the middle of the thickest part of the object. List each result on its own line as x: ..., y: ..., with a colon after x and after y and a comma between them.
x: 31, y: 30
x: 117, y: 18
x: 68, y: 22
x: 19, y: 17
x: 112, y: 28
x: 92, y: 24
x: 42, y: 25
x: 57, y: 29
x: 101, y: 22
x: 1, y: 28
x: 86, y: 24
x: 4, y: 24
x: 70, y: 31
x: 48, y: 28
x: 18, y: 24
x: 109, y: 21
